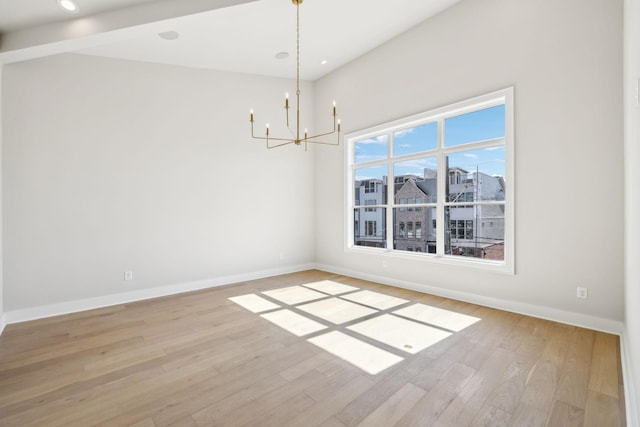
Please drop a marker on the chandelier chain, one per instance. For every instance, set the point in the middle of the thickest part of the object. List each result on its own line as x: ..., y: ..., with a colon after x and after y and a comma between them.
x: 298, y: 49
x: 297, y: 137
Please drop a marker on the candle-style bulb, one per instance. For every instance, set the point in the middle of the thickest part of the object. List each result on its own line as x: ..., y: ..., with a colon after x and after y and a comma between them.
x: 334, y: 108
x: 305, y: 133
x: 267, y: 129
x: 251, y: 115
x: 339, y: 126
x: 286, y: 100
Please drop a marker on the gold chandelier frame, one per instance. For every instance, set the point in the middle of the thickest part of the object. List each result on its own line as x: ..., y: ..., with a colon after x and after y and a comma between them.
x: 296, y: 138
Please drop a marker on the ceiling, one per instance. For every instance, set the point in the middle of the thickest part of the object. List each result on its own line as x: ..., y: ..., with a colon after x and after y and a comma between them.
x: 244, y: 37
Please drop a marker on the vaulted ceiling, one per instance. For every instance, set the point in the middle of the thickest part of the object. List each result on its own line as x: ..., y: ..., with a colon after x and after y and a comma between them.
x: 231, y: 35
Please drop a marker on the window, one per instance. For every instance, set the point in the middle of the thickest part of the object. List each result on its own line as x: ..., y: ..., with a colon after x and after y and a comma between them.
x: 369, y: 186
x: 370, y: 203
x: 370, y: 228
x: 451, y: 166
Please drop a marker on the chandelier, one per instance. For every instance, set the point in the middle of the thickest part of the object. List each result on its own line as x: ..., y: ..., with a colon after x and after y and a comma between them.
x: 297, y: 138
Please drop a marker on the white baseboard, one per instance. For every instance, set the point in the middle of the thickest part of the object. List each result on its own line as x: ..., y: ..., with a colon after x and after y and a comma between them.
x: 32, y: 313
x: 630, y: 388
x: 547, y: 313
x: 3, y: 323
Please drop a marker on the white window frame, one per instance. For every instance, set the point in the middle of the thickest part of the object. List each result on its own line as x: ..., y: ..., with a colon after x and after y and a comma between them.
x: 504, y: 96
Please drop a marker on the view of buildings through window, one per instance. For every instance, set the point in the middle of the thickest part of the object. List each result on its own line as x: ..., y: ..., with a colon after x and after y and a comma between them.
x: 448, y: 169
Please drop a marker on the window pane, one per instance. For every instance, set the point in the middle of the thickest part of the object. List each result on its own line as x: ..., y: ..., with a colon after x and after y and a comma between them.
x: 415, y: 229
x: 416, y: 139
x: 476, y: 126
x: 370, y: 149
x: 416, y: 180
x: 369, y: 184
x: 475, y: 231
x: 476, y: 175
x: 369, y: 228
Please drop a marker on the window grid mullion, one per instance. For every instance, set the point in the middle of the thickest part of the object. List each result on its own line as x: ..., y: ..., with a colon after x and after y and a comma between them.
x: 390, y: 195
x: 441, y: 184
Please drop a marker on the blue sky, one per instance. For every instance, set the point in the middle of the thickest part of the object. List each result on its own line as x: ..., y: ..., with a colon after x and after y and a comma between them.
x: 476, y: 126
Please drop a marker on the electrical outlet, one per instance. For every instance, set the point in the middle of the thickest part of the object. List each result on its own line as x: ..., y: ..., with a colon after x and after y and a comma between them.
x: 128, y: 275
x: 582, y: 293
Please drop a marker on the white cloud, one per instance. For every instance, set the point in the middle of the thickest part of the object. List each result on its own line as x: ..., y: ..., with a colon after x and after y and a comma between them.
x: 402, y: 133
x: 382, y: 139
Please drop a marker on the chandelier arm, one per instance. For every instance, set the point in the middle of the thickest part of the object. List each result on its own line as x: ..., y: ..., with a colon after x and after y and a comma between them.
x: 293, y: 135
x: 323, y: 134
x: 278, y: 145
x: 269, y: 138
x: 264, y: 138
x: 323, y: 142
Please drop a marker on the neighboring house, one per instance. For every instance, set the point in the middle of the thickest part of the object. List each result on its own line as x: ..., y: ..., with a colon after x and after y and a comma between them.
x: 370, y: 223
x: 413, y: 225
x: 475, y: 230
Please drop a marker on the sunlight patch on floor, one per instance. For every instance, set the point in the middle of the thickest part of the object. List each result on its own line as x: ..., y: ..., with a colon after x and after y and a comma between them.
x: 254, y: 303
x: 336, y: 310
x: 375, y: 299
x: 330, y: 287
x: 405, y: 331
x: 294, y: 295
x: 402, y: 334
x: 295, y: 323
x: 437, y: 316
x: 365, y: 356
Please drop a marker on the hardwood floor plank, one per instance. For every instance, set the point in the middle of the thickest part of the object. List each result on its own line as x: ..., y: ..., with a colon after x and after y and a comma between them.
x: 438, y: 399
x: 563, y: 414
x: 604, y: 365
x: 574, y: 377
x: 394, y: 408
x: 199, y: 359
x: 542, y: 381
x: 273, y: 407
x: 387, y: 384
x: 602, y: 410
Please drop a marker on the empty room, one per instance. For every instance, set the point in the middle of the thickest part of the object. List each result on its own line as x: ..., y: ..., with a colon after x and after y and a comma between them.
x: 320, y: 213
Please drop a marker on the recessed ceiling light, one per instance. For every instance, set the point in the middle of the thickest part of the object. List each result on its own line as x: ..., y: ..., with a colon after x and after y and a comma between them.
x: 169, y: 35
x: 324, y: 61
x: 282, y: 55
x: 69, y: 6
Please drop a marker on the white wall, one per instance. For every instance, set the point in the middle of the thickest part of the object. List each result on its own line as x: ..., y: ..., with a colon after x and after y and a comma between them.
x: 632, y: 223
x: 564, y: 60
x: 112, y: 165
x: 2, y: 319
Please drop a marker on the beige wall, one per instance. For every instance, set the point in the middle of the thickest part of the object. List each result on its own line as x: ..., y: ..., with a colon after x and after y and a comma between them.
x: 564, y: 60
x: 2, y: 320
x: 113, y: 165
x: 631, y: 336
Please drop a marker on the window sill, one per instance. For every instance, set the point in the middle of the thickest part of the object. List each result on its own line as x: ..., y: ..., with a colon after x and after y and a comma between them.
x: 502, y: 267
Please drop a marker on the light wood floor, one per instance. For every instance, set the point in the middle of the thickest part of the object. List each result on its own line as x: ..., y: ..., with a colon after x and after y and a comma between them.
x: 198, y: 359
